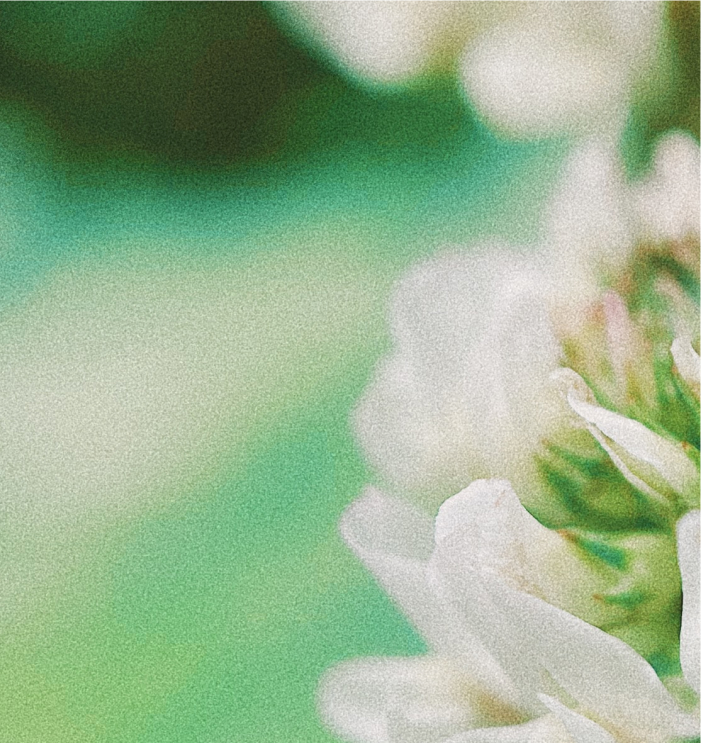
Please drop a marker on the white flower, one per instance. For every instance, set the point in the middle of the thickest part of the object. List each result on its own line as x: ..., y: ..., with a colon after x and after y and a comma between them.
x: 504, y: 664
x: 463, y: 394
x: 530, y: 68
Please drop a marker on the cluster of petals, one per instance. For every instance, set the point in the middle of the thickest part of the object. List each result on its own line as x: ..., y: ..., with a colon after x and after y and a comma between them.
x: 530, y: 68
x: 503, y: 664
x: 475, y: 382
x: 466, y: 391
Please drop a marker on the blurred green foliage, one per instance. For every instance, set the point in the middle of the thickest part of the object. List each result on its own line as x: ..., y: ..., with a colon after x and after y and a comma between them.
x: 197, y: 81
x: 221, y: 82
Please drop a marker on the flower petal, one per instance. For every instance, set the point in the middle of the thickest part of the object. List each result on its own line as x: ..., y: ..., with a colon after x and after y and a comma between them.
x: 530, y: 79
x: 496, y: 536
x: 580, y: 728
x: 545, y: 729
x: 688, y: 553
x: 402, y: 430
x: 640, y: 454
x: 687, y: 362
x: 463, y: 395
x: 602, y: 674
x: 394, y: 541
x: 588, y: 211
x: 563, y: 66
x: 667, y: 203
x: 393, y: 700
x: 455, y: 565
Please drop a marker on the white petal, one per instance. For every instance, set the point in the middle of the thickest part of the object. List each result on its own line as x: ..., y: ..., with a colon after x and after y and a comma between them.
x: 455, y: 564
x: 490, y: 531
x: 463, y: 395
x: 563, y: 66
x: 650, y: 458
x: 400, y: 425
x: 588, y: 225
x: 602, y: 674
x: 650, y: 462
x: 580, y: 728
x: 485, y: 528
x: 687, y: 362
x: 386, y: 42
x: 394, y: 541
x: 667, y: 203
x: 378, y: 700
x: 688, y: 552
x: 545, y: 729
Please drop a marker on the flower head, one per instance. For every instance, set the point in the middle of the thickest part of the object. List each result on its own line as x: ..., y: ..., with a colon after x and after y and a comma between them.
x: 465, y: 393
x: 573, y: 619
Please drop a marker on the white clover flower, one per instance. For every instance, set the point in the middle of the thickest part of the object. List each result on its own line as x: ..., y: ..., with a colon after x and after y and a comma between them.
x: 463, y: 394
x: 530, y: 68
x: 504, y: 663
x: 535, y: 635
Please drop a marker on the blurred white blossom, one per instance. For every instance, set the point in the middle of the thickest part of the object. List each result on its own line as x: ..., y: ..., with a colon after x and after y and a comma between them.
x: 530, y: 68
x: 464, y: 394
x: 505, y: 663
x: 667, y: 202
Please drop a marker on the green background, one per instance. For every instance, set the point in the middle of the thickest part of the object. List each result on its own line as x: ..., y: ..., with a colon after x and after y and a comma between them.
x: 160, y: 159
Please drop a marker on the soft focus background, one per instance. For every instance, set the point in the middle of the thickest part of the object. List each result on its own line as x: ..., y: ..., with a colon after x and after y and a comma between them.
x: 201, y: 221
